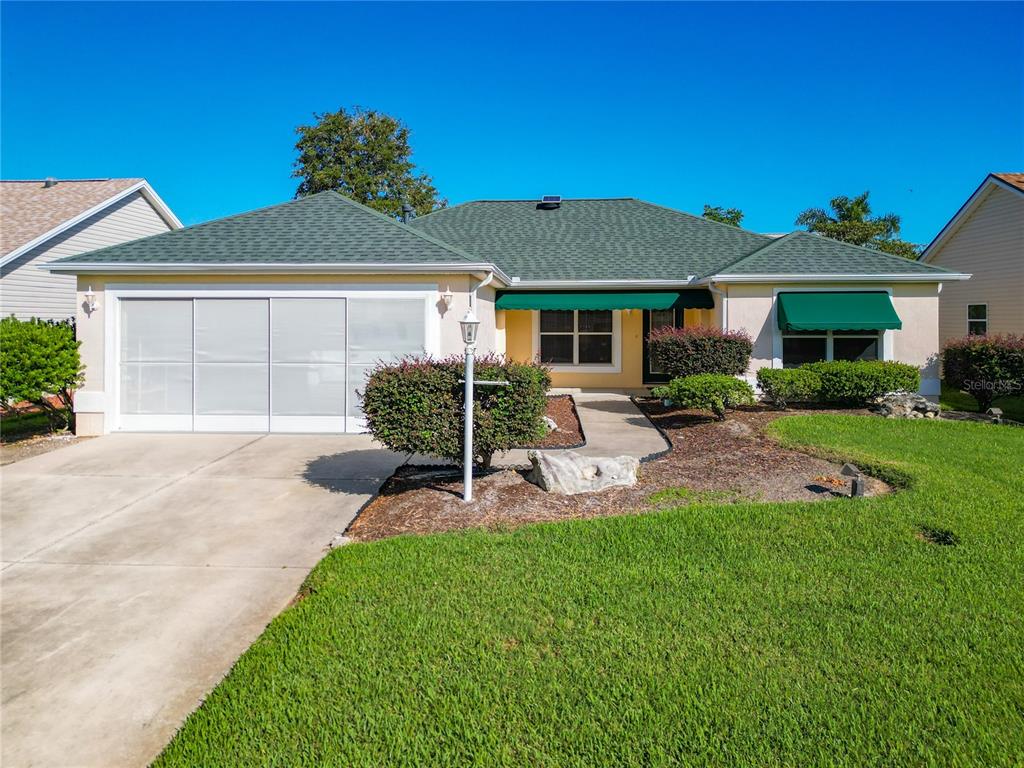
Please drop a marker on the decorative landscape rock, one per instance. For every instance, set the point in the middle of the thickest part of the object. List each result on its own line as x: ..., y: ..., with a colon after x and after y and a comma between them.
x: 905, y: 405
x: 551, y: 424
x: 568, y: 472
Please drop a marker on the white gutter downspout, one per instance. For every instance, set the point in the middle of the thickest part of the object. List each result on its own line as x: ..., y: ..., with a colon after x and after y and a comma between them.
x: 472, y: 294
x: 725, y: 304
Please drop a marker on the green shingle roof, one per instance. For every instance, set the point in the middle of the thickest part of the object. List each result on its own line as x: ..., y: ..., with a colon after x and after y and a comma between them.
x: 610, y: 239
x: 324, y: 228
x: 803, y: 253
x: 617, y: 239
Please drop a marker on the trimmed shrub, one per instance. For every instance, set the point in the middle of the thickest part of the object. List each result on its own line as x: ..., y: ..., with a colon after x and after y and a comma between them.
x: 39, y: 363
x: 416, y: 406
x: 691, y: 351
x: 708, y: 392
x: 857, y: 382
x: 985, y: 367
x: 788, y: 385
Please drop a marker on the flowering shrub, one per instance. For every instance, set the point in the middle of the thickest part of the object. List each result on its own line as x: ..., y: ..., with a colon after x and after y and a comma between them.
x: 416, y: 406
x: 690, y: 351
x: 708, y: 392
x: 985, y: 367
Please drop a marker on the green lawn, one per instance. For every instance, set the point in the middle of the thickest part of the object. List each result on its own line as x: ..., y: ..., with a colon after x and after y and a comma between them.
x: 955, y: 400
x: 792, y: 634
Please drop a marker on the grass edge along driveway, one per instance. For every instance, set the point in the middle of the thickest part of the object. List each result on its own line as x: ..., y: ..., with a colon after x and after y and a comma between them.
x: 851, y: 632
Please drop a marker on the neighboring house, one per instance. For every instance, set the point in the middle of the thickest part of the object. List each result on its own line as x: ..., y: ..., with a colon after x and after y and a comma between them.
x: 985, y: 238
x: 44, y: 220
x: 270, y: 320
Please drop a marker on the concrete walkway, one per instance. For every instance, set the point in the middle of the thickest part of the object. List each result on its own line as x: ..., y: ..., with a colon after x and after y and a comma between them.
x: 137, y: 568
x: 612, y: 426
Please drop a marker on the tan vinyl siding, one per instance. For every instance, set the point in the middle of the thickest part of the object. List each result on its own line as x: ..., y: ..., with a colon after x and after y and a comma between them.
x: 28, y: 290
x: 990, y: 246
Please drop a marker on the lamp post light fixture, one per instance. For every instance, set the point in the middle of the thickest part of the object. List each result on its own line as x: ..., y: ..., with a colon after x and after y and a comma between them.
x: 470, y: 325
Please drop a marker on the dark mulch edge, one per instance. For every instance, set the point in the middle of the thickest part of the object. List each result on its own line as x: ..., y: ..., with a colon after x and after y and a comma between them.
x: 570, y: 429
x: 419, y: 500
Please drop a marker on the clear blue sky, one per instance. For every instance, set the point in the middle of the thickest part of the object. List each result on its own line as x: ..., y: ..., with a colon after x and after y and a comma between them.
x: 768, y: 107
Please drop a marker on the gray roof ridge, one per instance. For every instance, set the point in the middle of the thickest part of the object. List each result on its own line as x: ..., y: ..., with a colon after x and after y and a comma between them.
x: 797, y: 233
x: 756, y: 252
x: 464, y: 203
x: 76, y: 258
x: 405, y: 228
x: 702, y: 219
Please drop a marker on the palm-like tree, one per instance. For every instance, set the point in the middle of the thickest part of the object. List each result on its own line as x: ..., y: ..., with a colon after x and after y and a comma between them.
x: 850, y: 221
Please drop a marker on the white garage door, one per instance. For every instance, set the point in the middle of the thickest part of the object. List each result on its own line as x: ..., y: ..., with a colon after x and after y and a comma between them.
x: 257, y: 364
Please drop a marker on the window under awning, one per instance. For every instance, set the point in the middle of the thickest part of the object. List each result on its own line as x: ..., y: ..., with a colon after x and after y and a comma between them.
x: 837, y: 311
x: 689, y: 299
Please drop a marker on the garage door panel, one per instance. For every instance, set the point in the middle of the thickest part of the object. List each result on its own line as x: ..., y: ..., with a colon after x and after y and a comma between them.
x: 232, y: 331
x: 308, y: 330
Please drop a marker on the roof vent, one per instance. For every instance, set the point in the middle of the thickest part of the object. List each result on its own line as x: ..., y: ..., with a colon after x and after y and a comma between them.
x: 549, y: 202
x: 49, y: 182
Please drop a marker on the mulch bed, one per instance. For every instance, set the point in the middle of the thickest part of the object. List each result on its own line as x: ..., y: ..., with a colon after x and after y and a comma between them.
x: 569, y: 434
x: 27, y: 447
x: 710, y: 461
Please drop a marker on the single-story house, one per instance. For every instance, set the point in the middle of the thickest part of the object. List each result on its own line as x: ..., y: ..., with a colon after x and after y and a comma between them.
x: 47, y: 219
x: 985, y: 238
x: 269, y: 320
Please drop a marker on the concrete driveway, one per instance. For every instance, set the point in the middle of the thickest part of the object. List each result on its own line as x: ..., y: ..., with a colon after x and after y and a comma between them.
x: 137, y: 568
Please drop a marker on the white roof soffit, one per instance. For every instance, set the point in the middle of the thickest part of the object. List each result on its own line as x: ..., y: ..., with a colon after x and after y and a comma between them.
x: 937, y: 277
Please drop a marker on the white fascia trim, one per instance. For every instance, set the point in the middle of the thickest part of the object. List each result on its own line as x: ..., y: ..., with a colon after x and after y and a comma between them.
x: 583, y: 285
x: 966, y: 210
x: 862, y: 278
x: 151, y: 197
x: 221, y: 269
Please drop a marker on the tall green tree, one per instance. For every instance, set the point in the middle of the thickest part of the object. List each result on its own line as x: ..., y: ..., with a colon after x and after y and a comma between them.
x: 850, y: 220
x: 731, y: 216
x: 365, y: 155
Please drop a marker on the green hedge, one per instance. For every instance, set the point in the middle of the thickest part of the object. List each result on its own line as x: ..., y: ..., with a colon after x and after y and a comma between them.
x: 708, y: 392
x: 691, y: 351
x: 985, y: 367
x: 39, y: 362
x: 858, y: 382
x: 416, y: 406
x: 781, y: 386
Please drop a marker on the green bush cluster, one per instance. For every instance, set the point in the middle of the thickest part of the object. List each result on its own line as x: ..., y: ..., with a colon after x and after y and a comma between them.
x: 691, y: 351
x: 782, y: 386
x: 857, y: 382
x: 416, y: 406
x: 39, y: 362
x: 708, y: 392
x: 985, y: 367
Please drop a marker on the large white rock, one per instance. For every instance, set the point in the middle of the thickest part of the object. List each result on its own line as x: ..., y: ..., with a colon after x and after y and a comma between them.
x: 568, y: 472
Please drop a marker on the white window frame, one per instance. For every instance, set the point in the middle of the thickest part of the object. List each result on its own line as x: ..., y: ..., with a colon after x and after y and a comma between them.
x: 885, y: 351
x: 115, y: 292
x: 969, y: 320
x: 576, y: 367
x: 829, y: 337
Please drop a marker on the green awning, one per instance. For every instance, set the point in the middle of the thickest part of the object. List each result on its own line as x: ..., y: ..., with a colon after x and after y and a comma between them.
x: 691, y: 299
x: 837, y: 311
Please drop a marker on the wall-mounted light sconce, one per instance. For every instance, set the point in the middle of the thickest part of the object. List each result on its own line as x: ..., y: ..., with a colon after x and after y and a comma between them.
x: 90, y: 301
x: 447, y: 297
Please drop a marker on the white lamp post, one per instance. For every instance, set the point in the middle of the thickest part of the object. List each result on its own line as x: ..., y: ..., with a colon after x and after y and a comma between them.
x: 470, y: 325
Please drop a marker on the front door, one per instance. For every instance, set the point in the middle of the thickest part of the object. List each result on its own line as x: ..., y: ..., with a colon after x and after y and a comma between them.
x: 653, y: 320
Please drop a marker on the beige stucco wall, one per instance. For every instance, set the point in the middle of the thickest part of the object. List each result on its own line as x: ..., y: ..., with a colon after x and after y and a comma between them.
x: 988, y: 245
x: 92, y: 326
x: 750, y: 308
